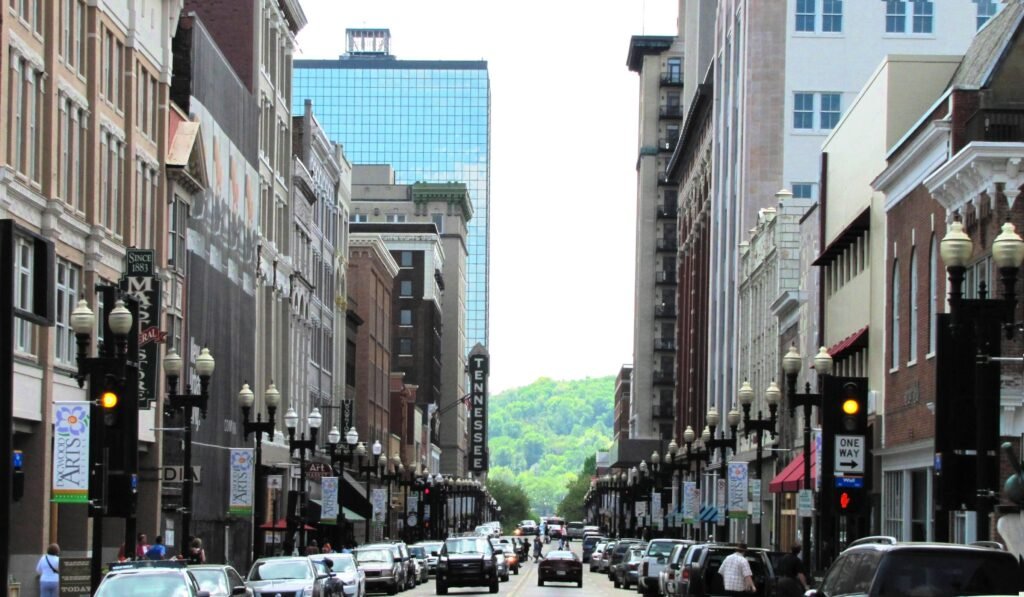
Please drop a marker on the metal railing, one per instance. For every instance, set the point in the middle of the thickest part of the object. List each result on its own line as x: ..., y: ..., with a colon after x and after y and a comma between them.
x: 995, y: 125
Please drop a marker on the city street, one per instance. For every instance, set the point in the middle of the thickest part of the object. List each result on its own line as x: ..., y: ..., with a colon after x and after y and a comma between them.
x: 525, y: 584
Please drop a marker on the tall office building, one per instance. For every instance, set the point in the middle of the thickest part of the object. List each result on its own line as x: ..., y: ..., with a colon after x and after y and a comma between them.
x: 429, y: 119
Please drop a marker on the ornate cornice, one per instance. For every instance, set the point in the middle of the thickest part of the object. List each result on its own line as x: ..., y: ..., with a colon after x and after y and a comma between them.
x: 977, y: 169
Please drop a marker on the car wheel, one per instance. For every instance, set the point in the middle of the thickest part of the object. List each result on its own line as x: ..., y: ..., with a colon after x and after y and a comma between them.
x: 442, y: 589
x: 616, y: 583
x: 494, y: 587
x: 393, y: 589
x: 540, y: 583
x: 579, y: 583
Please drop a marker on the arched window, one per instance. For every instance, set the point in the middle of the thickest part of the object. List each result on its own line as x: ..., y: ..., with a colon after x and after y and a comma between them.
x: 894, y: 326
x: 912, y: 304
x: 933, y: 292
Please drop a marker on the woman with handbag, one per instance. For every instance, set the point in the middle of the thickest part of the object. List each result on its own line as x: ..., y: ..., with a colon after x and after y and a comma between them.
x: 48, y: 569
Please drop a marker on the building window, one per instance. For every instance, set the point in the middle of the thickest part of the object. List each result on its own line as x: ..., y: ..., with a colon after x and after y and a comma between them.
x: 358, y: 218
x: 176, y: 222
x: 395, y: 218
x: 404, y: 346
x: 830, y: 111
x: 832, y: 16
x: 894, y: 326
x: 922, y: 16
x: 803, y: 111
x: 920, y: 511
x: 912, y: 303
x: 986, y: 10
x: 803, y: 190
x: 892, y: 504
x: 438, y: 220
x: 933, y: 293
x: 405, y: 317
x: 805, y: 15
x: 406, y: 257
x: 405, y: 289
x: 68, y: 276
x: 24, y: 332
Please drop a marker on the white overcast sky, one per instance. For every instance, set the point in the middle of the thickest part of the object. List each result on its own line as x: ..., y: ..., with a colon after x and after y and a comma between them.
x: 563, y: 161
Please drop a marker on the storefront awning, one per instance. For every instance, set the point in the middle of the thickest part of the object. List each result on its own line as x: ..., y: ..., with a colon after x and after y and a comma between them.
x: 792, y: 477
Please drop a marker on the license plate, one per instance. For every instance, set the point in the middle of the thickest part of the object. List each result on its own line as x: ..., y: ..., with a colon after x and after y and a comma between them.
x: 561, y: 573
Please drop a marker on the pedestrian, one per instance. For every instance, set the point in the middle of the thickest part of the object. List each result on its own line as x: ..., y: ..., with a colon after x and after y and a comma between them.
x: 735, y: 571
x: 157, y: 551
x: 48, y: 570
x: 792, y: 574
x: 196, y: 553
x: 312, y: 548
x: 326, y: 548
x: 537, y: 547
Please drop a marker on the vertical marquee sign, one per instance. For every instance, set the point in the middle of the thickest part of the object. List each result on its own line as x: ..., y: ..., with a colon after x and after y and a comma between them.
x: 140, y: 282
x: 478, y: 362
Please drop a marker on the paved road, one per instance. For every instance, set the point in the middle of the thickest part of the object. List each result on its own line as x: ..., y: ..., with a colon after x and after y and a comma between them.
x: 525, y: 585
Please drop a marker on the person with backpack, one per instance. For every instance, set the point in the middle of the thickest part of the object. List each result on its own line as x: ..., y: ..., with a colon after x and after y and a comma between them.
x: 196, y: 553
x: 48, y: 569
x: 157, y: 551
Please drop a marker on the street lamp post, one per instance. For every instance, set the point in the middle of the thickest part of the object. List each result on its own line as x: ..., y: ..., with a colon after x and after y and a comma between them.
x: 694, y: 451
x: 291, y: 421
x: 374, y: 465
x: 791, y: 365
x: 186, y: 403
x: 760, y: 426
x: 272, y: 397
x: 390, y: 472
x: 340, y: 454
x: 724, y: 444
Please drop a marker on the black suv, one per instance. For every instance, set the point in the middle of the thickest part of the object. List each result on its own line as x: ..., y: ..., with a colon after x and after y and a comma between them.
x: 467, y: 562
x: 883, y: 566
x: 700, y: 572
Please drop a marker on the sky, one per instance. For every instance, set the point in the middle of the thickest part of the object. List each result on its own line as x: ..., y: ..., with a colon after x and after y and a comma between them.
x: 564, y: 109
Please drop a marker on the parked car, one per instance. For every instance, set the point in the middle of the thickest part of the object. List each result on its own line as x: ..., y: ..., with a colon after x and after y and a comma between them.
x: 589, y: 543
x: 150, y: 577
x: 655, y: 558
x: 488, y: 531
x: 467, y: 562
x: 621, y: 549
x: 884, y: 566
x: 280, y: 576
x: 220, y: 580
x: 602, y: 557
x: 670, y: 576
x: 432, y: 549
x: 347, y: 579
x: 574, y: 530
x: 382, y: 570
x: 508, y: 552
x: 701, y: 569
x: 560, y: 566
x: 422, y: 558
x: 528, y: 527
x: 626, y: 571
x: 501, y: 561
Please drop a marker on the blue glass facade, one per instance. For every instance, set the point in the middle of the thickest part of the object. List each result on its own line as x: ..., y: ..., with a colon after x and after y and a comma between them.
x: 430, y: 120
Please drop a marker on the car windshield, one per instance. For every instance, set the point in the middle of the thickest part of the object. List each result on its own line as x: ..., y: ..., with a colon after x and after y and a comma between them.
x: 951, y: 572
x: 211, y: 580
x: 171, y: 584
x: 364, y: 556
x: 660, y: 549
x: 431, y: 547
x: 280, y: 570
x: 339, y: 562
x: 418, y: 551
x: 466, y: 545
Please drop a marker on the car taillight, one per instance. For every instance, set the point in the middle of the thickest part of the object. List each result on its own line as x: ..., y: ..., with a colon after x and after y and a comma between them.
x: 633, y: 566
x: 686, y: 573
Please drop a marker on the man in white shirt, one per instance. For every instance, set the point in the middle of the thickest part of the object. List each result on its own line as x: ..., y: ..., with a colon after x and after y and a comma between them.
x: 735, y: 570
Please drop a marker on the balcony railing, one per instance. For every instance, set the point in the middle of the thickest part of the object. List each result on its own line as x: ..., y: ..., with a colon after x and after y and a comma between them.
x: 663, y: 378
x: 671, y: 111
x: 667, y: 244
x: 672, y: 78
x: 995, y: 125
x: 665, y: 277
x: 662, y: 410
x: 660, y: 344
x: 665, y: 311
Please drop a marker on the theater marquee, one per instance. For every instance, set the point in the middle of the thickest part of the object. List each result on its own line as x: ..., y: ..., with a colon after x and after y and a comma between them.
x: 478, y: 361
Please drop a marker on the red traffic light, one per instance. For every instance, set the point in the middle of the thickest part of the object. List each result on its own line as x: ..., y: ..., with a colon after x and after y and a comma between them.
x: 844, y: 500
x: 426, y: 491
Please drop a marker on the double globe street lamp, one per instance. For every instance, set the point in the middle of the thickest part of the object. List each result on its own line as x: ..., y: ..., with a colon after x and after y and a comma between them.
x: 759, y: 426
x: 302, y: 445
x: 341, y: 453
x: 185, y: 404
x: 246, y: 399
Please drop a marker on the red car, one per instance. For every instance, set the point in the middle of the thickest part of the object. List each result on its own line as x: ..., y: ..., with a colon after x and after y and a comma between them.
x: 560, y: 566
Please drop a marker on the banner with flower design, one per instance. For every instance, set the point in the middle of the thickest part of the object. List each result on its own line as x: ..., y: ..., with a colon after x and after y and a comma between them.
x: 240, y: 499
x: 329, y: 500
x: 71, y: 453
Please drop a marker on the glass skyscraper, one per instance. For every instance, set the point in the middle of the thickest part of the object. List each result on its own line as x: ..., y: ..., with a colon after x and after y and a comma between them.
x: 430, y: 120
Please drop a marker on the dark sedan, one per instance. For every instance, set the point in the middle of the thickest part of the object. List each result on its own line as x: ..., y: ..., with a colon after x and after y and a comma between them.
x: 626, y: 571
x: 560, y: 566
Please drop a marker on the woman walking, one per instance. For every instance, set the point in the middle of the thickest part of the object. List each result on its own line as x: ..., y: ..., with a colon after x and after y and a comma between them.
x: 48, y: 569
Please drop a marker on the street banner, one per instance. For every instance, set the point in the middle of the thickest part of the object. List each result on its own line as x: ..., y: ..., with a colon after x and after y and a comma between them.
x: 328, y: 500
x: 656, y: 509
x: 805, y: 503
x: 817, y: 460
x: 738, y: 488
x: 379, y: 499
x: 720, y: 501
x: 691, y: 502
x: 71, y: 453
x: 755, y: 500
x: 241, y: 469
x: 640, y: 509
x: 412, y: 503
x: 675, y: 496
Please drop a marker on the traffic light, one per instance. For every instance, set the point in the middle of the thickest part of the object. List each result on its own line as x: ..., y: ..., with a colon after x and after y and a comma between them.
x: 852, y: 418
x: 18, y: 479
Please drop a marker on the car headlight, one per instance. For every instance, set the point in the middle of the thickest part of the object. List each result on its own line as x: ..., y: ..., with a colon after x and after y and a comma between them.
x: 308, y: 591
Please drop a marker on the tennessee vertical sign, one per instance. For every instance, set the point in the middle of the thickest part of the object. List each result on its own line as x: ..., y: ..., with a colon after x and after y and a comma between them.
x: 478, y: 361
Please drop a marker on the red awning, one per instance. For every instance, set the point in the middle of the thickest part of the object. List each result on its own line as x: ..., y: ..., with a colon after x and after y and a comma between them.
x: 792, y: 477
x: 280, y: 525
x: 858, y: 339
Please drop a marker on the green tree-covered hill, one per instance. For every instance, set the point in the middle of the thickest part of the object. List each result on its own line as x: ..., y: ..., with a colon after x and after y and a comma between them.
x: 541, y: 434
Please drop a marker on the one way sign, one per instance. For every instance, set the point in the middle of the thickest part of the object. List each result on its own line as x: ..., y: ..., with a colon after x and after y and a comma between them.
x: 850, y: 454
